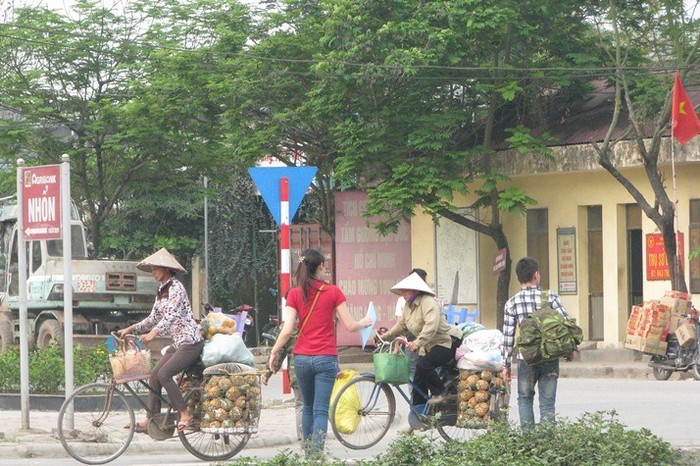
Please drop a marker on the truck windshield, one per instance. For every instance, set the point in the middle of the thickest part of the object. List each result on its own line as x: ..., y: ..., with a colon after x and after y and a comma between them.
x: 55, y: 247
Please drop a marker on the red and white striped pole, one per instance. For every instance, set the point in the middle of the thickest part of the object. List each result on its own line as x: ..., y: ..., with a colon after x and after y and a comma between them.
x: 285, y: 262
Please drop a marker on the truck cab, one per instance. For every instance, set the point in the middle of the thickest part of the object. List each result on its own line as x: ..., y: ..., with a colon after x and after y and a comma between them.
x: 107, y: 294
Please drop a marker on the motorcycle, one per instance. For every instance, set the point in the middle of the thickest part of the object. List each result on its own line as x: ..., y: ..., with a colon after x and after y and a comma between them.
x: 269, y: 333
x: 246, y: 332
x: 678, y: 358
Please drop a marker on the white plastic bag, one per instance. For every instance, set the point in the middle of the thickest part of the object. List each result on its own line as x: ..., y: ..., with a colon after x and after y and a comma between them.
x: 226, y: 348
x: 481, y: 350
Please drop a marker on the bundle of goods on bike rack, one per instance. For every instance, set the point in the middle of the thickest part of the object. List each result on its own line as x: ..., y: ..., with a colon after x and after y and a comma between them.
x: 222, y: 343
x: 478, y: 400
x: 649, y: 324
x: 481, y: 391
x: 231, y: 399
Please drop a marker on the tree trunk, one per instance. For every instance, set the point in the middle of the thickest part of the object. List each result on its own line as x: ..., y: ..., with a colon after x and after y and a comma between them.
x: 675, y: 262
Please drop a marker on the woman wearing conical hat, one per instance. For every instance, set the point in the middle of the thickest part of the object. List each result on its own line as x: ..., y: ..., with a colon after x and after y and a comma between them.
x: 428, y: 332
x: 171, y: 315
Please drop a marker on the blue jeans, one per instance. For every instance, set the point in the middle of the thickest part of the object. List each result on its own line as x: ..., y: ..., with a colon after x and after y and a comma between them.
x: 315, y: 376
x: 545, y: 376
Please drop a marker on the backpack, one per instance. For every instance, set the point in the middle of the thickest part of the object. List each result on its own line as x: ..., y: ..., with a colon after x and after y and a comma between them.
x: 546, y: 335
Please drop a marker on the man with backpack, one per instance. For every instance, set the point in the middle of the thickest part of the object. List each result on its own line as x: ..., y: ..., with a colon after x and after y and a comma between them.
x: 543, y: 374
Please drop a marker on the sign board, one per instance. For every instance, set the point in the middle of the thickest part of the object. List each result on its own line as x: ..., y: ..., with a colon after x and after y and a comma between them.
x: 657, y: 262
x: 367, y: 264
x: 566, y: 260
x: 457, y: 261
x: 41, y: 202
x: 499, y: 261
x: 267, y: 180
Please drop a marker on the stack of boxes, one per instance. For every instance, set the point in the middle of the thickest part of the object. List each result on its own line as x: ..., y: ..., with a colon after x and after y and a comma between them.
x: 650, y: 323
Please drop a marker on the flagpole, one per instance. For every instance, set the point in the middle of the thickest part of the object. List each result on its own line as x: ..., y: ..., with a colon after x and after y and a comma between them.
x: 676, y: 265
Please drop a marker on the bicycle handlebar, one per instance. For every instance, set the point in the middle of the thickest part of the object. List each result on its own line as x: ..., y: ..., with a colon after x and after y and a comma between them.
x: 128, y: 337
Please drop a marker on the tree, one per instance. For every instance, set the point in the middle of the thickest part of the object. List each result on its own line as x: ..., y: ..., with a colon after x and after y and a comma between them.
x: 420, y: 89
x: 268, y: 115
x: 639, y: 36
x: 126, y: 95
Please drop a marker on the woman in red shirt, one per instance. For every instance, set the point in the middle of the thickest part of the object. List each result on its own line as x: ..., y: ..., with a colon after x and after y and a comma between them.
x: 315, y: 352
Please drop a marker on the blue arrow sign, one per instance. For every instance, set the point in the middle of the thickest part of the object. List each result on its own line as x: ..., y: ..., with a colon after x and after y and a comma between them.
x: 267, y: 180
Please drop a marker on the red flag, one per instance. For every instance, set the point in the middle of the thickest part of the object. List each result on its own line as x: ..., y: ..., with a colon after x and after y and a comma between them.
x: 686, y: 124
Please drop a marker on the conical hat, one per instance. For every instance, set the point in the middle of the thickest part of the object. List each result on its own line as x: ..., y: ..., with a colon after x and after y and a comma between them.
x: 412, y: 282
x: 161, y: 258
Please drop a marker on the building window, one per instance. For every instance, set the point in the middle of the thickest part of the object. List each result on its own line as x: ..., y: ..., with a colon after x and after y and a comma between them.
x: 538, y: 241
x: 694, y: 243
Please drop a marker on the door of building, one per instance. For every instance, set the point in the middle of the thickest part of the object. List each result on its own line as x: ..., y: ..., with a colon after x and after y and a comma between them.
x: 635, y: 267
x: 595, y: 274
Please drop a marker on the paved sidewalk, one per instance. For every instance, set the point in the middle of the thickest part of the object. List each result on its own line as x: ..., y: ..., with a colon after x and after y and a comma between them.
x: 274, y: 430
x: 276, y: 427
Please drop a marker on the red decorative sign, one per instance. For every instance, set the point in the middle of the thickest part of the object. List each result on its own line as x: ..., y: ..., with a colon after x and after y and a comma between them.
x: 367, y: 264
x: 657, y: 262
x: 41, y: 202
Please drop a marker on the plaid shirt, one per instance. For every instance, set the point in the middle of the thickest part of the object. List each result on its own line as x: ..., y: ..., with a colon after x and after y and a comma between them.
x: 521, y: 304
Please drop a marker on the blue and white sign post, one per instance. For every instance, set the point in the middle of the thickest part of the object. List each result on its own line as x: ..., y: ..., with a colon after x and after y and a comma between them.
x: 283, y: 189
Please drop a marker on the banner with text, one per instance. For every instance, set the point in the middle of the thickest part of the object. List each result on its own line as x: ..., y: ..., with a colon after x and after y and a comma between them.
x: 367, y: 263
x: 657, y: 261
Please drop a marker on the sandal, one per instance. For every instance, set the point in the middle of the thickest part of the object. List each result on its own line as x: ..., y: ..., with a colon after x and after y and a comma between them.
x: 182, y: 425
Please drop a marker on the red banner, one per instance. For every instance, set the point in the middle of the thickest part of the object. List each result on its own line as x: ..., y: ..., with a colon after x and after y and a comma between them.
x: 657, y: 262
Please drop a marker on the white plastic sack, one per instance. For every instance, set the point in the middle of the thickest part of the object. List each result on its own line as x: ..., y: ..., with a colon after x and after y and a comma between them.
x: 481, y: 360
x: 481, y: 350
x: 226, y: 348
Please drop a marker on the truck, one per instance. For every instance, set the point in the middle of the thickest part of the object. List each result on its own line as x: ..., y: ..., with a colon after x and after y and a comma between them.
x: 107, y: 294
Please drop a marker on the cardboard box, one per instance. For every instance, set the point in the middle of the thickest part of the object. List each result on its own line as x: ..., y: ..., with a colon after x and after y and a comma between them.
x: 675, y: 322
x: 679, y: 295
x: 633, y: 342
x: 653, y: 346
x: 634, y: 320
x: 676, y: 305
x: 686, y: 334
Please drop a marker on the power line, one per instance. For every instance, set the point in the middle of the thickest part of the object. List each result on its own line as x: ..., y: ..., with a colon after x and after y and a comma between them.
x: 148, y: 46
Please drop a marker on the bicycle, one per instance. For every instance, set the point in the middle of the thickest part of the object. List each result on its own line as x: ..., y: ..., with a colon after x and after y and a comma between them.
x: 375, y: 405
x: 96, y: 423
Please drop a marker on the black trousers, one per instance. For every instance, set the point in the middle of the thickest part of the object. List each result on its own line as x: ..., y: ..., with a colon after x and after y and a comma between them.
x: 427, y: 379
x: 172, y: 363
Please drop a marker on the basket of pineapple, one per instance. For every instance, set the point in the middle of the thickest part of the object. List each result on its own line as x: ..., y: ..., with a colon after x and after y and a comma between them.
x: 483, y: 399
x: 231, y: 403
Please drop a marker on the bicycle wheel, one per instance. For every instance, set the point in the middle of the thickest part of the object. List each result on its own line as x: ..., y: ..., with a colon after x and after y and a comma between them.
x: 446, y: 417
x: 362, y: 412
x: 96, y: 433
x: 206, y: 446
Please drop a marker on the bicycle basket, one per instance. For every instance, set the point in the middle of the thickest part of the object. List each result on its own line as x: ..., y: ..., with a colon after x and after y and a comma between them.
x: 483, y: 398
x: 391, y: 367
x: 130, y: 362
x: 231, y: 402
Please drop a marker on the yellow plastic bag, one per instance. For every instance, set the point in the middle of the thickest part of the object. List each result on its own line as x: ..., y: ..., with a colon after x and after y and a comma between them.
x: 347, y: 408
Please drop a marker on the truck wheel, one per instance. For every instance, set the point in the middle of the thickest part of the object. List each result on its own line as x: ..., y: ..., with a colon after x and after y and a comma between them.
x: 50, y: 332
x: 6, y: 339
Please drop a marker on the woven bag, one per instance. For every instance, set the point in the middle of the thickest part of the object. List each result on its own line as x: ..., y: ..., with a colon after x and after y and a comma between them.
x: 391, y: 366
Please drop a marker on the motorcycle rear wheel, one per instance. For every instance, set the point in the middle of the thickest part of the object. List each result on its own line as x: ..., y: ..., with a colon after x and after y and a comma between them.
x: 695, y: 370
x: 663, y: 374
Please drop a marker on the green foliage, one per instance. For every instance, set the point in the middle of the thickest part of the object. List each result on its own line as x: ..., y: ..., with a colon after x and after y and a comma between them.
x: 127, y: 95
x: 47, y: 368
x: 593, y: 439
